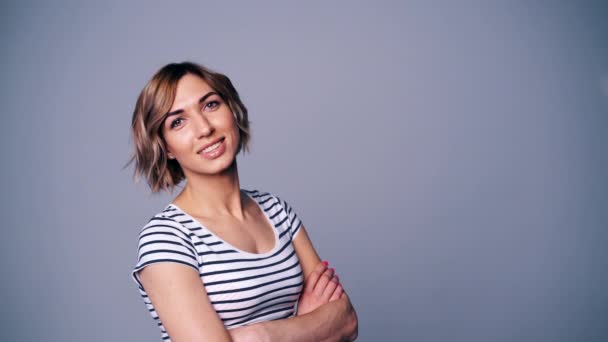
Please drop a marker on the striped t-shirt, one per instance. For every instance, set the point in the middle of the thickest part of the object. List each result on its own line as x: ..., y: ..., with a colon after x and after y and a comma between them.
x: 243, y: 287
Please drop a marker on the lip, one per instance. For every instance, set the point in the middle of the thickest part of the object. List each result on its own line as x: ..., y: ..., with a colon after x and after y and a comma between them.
x: 219, y: 151
x: 211, y: 143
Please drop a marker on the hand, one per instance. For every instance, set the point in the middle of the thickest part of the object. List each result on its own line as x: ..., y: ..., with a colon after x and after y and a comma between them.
x: 322, y: 286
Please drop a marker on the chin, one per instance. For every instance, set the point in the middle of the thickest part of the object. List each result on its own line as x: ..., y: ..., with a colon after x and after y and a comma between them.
x: 227, y: 165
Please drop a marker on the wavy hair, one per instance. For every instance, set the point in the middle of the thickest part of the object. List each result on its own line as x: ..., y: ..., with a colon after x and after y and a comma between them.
x: 154, y: 102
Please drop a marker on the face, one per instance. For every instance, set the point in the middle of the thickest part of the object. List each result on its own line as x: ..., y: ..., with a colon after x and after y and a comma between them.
x: 200, y: 130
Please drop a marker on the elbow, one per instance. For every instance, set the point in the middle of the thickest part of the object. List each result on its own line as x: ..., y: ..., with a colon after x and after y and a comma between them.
x: 352, y: 325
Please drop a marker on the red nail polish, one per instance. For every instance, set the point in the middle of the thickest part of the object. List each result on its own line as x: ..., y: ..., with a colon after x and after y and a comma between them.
x: 332, y: 269
x: 325, y: 263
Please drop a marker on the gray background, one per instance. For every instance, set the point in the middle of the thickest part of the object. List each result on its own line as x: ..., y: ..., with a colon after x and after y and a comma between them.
x: 449, y: 159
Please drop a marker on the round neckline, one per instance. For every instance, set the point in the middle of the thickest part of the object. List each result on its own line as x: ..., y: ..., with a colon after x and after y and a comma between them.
x: 274, y: 230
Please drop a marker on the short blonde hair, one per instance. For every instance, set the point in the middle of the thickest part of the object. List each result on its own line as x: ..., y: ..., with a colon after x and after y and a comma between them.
x: 154, y: 102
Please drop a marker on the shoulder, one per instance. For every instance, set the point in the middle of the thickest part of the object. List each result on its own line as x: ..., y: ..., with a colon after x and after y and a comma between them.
x: 257, y: 193
x: 269, y: 200
x: 165, y: 222
x: 164, y: 239
x: 263, y: 196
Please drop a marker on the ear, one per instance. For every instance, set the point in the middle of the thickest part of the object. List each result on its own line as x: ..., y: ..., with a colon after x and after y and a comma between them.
x: 170, y: 155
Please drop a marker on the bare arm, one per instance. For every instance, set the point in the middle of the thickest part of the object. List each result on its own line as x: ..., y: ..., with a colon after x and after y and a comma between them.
x: 333, y: 321
x: 181, y: 301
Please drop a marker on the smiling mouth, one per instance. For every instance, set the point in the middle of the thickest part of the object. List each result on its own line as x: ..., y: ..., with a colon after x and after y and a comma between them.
x: 212, y: 147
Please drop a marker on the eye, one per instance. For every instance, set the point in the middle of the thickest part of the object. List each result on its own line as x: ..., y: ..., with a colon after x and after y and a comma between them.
x: 173, y: 123
x: 212, y: 104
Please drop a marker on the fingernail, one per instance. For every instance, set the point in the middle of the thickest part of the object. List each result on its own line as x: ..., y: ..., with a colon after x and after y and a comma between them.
x: 332, y: 269
x: 325, y: 263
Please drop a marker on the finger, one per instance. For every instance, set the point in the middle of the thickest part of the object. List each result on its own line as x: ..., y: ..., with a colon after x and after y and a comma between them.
x: 330, y: 288
x: 315, y: 275
x: 323, y: 280
x: 337, y: 293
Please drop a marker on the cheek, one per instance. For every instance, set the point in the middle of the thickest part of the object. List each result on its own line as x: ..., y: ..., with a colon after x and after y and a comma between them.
x: 230, y: 124
x: 236, y: 132
x: 179, y: 142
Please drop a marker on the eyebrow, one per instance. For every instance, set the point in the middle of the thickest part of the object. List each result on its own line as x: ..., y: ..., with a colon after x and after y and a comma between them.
x: 201, y: 100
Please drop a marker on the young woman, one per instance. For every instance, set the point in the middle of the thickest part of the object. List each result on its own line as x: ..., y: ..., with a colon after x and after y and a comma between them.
x: 221, y: 263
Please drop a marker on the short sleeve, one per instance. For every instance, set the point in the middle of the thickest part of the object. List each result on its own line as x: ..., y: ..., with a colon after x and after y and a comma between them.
x: 163, y: 239
x: 294, y: 221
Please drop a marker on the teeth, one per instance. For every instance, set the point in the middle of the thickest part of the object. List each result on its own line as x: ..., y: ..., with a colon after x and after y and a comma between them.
x: 212, y: 147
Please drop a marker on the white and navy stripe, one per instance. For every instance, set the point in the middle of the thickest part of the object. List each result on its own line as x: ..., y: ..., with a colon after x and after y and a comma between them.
x: 243, y: 287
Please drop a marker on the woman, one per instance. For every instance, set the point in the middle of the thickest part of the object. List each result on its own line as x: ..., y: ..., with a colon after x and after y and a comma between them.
x: 221, y: 263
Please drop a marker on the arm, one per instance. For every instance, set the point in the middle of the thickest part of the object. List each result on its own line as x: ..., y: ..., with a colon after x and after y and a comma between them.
x: 319, y: 325
x: 333, y: 321
x: 181, y: 301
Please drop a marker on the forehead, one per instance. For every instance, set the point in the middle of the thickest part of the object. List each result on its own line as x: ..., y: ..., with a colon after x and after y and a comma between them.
x: 190, y: 88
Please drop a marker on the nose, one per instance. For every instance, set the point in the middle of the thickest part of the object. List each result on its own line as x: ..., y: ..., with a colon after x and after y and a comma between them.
x: 203, y: 126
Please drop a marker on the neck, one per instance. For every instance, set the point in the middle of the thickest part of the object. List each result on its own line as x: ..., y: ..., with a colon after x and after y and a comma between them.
x: 213, y: 196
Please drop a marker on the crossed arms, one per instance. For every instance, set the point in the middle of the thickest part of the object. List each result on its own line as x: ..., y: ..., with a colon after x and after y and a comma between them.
x: 325, y: 312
